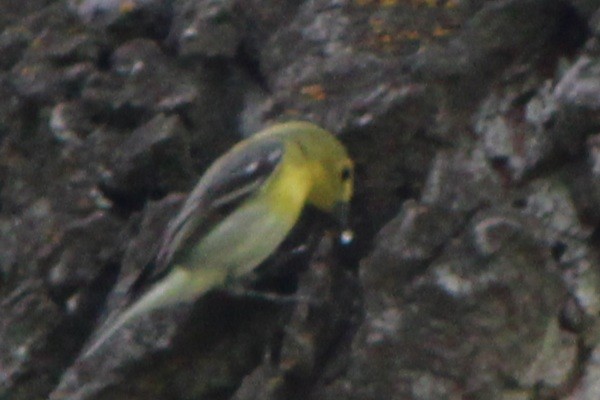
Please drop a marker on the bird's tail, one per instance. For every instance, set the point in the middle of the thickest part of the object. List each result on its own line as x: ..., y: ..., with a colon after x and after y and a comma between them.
x: 179, y: 286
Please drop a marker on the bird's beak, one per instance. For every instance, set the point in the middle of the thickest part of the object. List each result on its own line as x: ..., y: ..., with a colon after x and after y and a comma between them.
x: 341, y: 211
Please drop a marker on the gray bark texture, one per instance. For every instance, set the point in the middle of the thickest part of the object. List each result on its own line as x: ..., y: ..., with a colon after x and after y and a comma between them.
x: 475, y: 128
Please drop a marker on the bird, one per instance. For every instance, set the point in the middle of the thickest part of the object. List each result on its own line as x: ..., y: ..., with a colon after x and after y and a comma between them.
x: 239, y: 213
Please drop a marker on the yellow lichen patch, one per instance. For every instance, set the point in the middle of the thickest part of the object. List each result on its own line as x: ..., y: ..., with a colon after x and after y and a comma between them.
x: 292, y: 112
x: 316, y: 92
x: 127, y: 6
x: 37, y: 42
x: 438, y: 31
x: 408, y: 35
x: 28, y: 71
x: 376, y: 24
x: 426, y: 3
x: 379, y: 3
x: 385, y: 38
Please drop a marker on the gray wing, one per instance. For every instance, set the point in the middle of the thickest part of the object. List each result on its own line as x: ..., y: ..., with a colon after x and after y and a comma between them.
x: 229, y: 181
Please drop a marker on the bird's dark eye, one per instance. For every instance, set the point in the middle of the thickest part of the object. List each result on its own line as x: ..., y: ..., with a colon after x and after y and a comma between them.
x: 346, y: 174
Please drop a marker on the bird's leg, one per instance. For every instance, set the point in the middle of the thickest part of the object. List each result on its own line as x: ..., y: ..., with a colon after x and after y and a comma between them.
x: 239, y: 291
x: 241, y: 287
